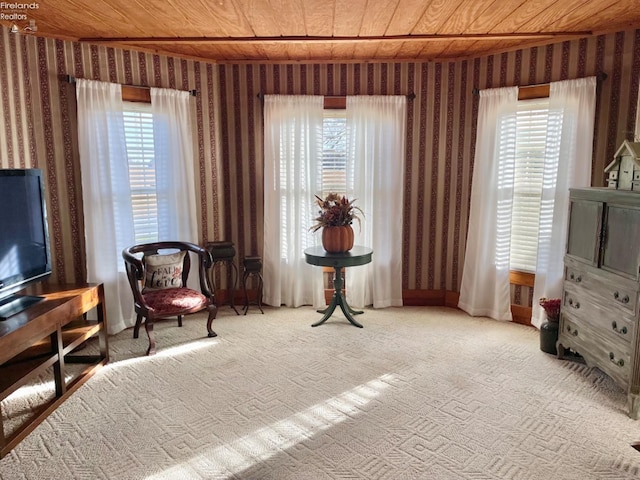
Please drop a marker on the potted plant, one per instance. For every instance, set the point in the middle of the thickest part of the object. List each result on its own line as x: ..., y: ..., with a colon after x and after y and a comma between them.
x: 335, y: 217
x: 549, y: 329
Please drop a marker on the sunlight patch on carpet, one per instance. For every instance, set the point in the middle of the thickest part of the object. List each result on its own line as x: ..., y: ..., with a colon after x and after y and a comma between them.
x: 167, y: 352
x: 241, y: 454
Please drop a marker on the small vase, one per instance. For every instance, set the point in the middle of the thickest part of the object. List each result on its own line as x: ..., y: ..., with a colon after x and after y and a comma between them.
x: 549, y: 337
x: 337, y: 239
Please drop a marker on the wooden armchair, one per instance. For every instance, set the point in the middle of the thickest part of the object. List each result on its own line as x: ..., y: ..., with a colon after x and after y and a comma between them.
x: 159, y: 284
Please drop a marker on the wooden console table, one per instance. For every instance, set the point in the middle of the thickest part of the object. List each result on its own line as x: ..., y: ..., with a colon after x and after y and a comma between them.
x: 43, y: 336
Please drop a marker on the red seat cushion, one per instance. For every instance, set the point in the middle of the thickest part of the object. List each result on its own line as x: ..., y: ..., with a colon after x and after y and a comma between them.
x: 171, y: 301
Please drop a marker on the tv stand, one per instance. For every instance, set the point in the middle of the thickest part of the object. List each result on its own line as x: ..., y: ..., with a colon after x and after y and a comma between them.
x: 14, y: 304
x: 44, y: 336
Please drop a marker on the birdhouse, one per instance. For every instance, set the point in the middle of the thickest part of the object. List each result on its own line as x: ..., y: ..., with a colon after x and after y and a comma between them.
x: 624, y: 172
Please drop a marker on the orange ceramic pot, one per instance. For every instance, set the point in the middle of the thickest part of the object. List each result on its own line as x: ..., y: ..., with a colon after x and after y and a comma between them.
x: 337, y: 239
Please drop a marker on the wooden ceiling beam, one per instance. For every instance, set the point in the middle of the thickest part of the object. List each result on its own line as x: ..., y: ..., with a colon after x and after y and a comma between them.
x: 313, y: 39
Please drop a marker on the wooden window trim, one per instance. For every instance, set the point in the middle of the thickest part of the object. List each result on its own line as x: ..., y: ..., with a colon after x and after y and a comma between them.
x: 335, y: 103
x: 525, y: 279
x: 136, y: 94
x: 534, y: 91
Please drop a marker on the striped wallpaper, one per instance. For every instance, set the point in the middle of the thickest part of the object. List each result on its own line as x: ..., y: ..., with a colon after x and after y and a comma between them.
x: 37, y: 123
x: 38, y: 127
x: 440, y: 135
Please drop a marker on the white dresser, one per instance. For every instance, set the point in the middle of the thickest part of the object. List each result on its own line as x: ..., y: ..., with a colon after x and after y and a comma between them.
x: 599, y: 315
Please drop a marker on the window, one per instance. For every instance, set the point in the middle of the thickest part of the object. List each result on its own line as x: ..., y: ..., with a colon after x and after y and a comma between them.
x: 138, y: 127
x: 334, y: 160
x: 334, y: 152
x: 531, y: 134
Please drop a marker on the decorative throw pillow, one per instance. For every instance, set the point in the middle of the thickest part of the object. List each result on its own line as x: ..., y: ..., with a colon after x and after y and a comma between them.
x: 163, y: 271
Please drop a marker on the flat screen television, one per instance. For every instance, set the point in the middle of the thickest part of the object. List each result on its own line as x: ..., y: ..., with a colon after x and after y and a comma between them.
x: 25, y: 256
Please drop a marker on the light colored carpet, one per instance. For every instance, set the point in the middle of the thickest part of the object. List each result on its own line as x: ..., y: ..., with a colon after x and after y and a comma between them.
x: 426, y: 393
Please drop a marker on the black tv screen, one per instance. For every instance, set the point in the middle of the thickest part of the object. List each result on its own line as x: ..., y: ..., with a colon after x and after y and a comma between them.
x: 24, y: 241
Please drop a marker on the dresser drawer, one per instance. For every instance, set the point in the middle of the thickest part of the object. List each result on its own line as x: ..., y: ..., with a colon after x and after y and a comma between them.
x: 597, y: 348
x: 617, y: 331
x: 587, y: 309
x: 620, y: 295
x: 620, y: 292
x: 626, y: 297
x: 579, y: 276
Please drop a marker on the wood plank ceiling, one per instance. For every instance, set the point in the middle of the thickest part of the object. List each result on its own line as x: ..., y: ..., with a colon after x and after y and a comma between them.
x: 265, y: 31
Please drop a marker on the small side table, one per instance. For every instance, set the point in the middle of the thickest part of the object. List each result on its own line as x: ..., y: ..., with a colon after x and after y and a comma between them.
x: 358, y: 255
x: 223, y: 253
x: 252, y: 268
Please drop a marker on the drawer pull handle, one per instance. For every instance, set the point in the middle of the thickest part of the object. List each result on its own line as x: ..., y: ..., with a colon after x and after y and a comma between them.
x: 612, y: 358
x: 622, y: 330
x: 572, y: 331
x: 573, y: 304
x: 624, y: 299
x: 577, y: 279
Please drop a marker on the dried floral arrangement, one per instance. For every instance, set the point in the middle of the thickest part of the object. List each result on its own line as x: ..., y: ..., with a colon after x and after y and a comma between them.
x: 552, y: 308
x: 336, y: 211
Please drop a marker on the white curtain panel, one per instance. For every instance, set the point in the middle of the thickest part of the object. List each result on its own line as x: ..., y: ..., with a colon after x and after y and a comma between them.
x: 376, y: 134
x: 106, y: 195
x: 292, y: 162
x: 485, y: 289
x: 176, y: 186
x: 568, y: 154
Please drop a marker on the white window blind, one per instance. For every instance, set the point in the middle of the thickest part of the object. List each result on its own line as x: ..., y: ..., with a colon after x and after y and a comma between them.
x: 334, y: 152
x: 138, y: 127
x: 531, y: 133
